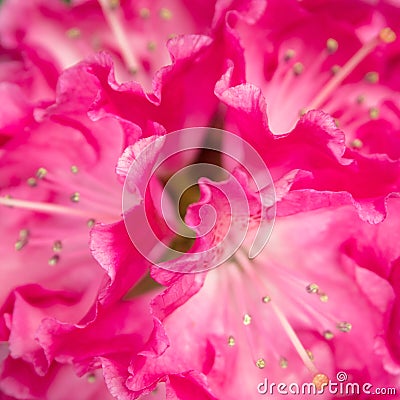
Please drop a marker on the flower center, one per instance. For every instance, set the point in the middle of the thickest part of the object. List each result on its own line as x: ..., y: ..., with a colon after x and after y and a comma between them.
x: 185, y: 191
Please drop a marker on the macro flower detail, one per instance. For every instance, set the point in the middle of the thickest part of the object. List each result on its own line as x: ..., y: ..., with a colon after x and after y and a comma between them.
x: 199, y: 200
x: 134, y: 33
x: 146, y: 202
x: 282, y: 95
x: 279, y: 311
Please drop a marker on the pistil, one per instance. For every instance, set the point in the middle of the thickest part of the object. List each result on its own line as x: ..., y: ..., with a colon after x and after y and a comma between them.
x: 112, y: 14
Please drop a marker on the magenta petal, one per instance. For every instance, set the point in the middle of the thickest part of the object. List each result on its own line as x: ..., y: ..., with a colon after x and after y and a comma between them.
x: 24, y: 312
x: 19, y: 381
x: 108, y: 332
x: 188, y: 386
x: 317, y: 146
x: 16, y: 112
x: 113, y: 249
x: 181, y: 287
x: 322, y: 296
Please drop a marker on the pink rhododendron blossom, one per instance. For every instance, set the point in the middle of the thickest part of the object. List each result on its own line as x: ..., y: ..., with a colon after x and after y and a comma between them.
x: 73, y: 187
x: 68, y: 190
x: 254, y: 333
x: 48, y: 248
x: 177, y: 294
x: 280, y: 309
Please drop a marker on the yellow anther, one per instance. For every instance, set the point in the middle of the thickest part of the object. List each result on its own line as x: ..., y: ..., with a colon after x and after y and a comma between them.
x: 320, y: 381
x: 298, y: 68
x: 260, y: 363
x: 41, y: 173
x: 32, y: 182
x: 246, y: 319
x: 165, y: 13
x: 332, y: 45
x: 144, y: 13
x: 54, y: 260
x: 387, y: 35
x: 231, y: 341
x: 357, y: 144
x: 266, y: 299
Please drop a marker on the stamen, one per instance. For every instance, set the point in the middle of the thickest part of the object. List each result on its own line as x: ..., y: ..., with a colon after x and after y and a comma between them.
x: 24, y: 233
x: 75, y: 197
x: 372, y: 77
x: 57, y: 246
x: 266, y: 299
x: 32, y: 182
x: 23, y: 239
x: 246, y: 319
x: 335, y: 69
x: 328, y: 335
x: 318, y: 313
x: 323, y: 297
x: 114, y: 4
x: 320, y: 381
x: 344, y: 326
x: 290, y: 53
x: 110, y: 11
x: 260, y: 363
x: 8, y: 197
x: 49, y: 208
x: 360, y: 99
x: 357, y: 143
x: 283, y: 362
x: 151, y: 46
x: 87, y: 187
x: 242, y: 333
x: 287, y: 327
x: 54, y: 260
x: 386, y: 36
x: 295, y: 340
x: 144, y: 13
x: 374, y: 112
x: 312, y: 288
x: 74, y: 169
x: 73, y: 33
x: 20, y: 244
x: 91, y: 378
x: 41, y: 173
x: 332, y: 45
x: 298, y: 68
x: 302, y: 112
x: 165, y: 13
